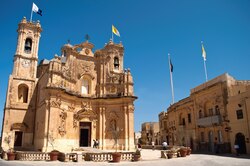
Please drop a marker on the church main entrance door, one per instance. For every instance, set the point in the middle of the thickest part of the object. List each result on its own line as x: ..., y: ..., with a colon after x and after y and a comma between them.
x: 85, y: 134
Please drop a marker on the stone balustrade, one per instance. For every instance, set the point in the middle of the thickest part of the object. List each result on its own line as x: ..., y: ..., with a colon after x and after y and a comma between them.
x: 127, y: 156
x: 32, y: 156
x: 97, y: 157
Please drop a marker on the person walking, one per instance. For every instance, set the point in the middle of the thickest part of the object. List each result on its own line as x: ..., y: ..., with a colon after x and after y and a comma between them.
x: 153, y: 145
x: 94, y: 144
x: 164, y: 145
x: 236, y: 147
x: 97, y: 143
x: 139, y: 146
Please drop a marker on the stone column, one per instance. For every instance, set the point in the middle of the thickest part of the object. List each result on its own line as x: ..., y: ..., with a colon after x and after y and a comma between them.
x: 103, y: 128
x: 130, y: 111
x: 100, y: 129
x: 126, y: 124
x: 101, y: 78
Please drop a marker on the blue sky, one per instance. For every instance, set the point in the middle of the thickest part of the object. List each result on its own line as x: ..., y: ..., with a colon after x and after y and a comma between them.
x: 149, y: 31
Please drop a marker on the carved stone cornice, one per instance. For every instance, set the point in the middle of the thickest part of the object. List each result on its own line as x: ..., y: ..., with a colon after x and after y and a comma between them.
x: 25, y: 57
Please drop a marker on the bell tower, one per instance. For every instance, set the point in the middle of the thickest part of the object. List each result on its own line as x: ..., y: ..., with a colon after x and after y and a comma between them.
x: 26, y: 57
x: 21, y: 93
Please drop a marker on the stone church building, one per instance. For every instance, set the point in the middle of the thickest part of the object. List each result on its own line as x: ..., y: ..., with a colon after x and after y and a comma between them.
x: 68, y: 101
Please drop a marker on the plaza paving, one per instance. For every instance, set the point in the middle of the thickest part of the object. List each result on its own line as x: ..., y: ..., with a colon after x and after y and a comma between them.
x: 149, y: 158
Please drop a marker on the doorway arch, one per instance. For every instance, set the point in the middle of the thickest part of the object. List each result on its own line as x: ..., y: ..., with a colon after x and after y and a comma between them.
x: 240, y: 140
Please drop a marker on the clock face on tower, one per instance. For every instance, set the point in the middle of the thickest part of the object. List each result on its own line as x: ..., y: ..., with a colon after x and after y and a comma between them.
x: 25, y: 63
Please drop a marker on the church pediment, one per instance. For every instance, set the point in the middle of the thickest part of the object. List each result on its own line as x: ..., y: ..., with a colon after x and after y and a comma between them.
x: 85, y: 112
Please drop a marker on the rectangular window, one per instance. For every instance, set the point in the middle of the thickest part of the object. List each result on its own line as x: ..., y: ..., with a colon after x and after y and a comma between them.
x: 239, y: 114
x: 189, y: 118
x: 183, y: 122
x: 202, y: 137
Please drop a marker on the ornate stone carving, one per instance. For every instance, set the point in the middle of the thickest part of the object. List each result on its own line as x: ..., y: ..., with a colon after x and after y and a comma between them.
x: 75, y: 120
x: 71, y: 108
x: 85, y: 68
x: 56, y: 103
x: 112, y: 89
x: 114, y: 77
x: 131, y: 109
x: 66, y: 71
x: 62, y: 126
x: 112, y: 115
x: 85, y: 112
x: 86, y: 105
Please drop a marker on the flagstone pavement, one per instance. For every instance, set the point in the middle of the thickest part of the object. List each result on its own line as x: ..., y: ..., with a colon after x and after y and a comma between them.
x: 149, y: 158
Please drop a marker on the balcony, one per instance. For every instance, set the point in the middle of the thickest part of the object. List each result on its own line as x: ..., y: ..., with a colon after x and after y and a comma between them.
x: 209, y: 121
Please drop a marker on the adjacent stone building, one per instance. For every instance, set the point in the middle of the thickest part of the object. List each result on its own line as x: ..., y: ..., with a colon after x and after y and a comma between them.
x: 213, y: 118
x: 149, y: 133
x: 70, y: 100
x: 239, y: 116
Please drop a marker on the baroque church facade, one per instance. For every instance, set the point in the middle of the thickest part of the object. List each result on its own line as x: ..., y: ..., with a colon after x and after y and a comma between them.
x: 68, y: 101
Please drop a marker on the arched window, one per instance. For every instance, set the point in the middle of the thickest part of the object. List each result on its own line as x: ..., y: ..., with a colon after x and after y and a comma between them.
x: 85, y: 87
x: 23, y: 93
x: 116, y: 63
x: 28, y: 45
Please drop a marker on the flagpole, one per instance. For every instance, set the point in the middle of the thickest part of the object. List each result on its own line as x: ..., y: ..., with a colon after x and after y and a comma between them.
x: 112, y: 37
x: 204, y: 59
x: 171, y: 79
x: 205, y: 68
x: 112, y: 34
x: 31, y: 13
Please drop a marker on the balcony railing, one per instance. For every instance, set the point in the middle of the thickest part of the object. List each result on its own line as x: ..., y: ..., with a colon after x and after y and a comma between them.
x: 209, y: 121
